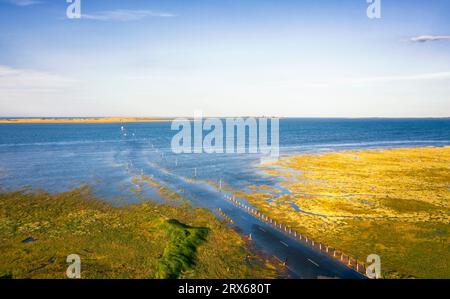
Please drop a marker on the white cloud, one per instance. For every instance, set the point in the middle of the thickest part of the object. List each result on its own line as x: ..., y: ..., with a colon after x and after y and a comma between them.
x: 22, y: 2
x: 343, y: 82
x: 429, y: 38
x: 21, y: 80
x: 125, y: 15
x: 419, y: 77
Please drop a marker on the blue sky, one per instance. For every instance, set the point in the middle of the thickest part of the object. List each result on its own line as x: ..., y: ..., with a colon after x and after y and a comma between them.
x: 225, y: 57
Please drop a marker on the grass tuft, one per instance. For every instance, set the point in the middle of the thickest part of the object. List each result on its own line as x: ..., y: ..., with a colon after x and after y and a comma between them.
x: 179, y: 254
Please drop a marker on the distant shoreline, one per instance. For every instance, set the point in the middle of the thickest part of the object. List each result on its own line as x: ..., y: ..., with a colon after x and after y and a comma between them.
x: 93, y: 120
x: 83, y: 120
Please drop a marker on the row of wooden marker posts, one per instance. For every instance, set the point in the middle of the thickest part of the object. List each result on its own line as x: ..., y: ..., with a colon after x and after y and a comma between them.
x: 346, y: 259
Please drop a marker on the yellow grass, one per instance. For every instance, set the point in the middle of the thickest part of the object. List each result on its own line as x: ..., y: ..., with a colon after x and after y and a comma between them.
x: 395, y: 203
x: 83, y: 120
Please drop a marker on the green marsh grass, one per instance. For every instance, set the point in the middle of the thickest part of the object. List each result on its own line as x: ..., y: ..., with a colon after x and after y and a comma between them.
x: 39, y: 230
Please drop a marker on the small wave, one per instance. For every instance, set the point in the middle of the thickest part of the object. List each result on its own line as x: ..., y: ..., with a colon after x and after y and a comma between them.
x: 52, y: 143
x: 367, y: 144
x: 76, y: 142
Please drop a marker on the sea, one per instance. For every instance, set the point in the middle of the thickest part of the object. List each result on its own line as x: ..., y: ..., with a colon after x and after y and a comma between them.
x: 58, y: 157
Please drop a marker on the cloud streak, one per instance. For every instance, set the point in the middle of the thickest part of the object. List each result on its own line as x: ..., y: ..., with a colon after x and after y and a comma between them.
x: 22, y: 2
x: 12, y: 79
x: 354, y: 82
x: 420, y: 77
x: 429, y: 38
x: 124, y: 15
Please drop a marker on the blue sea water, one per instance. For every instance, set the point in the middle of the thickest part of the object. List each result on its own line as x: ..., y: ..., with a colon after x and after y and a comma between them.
x: 58, y: 157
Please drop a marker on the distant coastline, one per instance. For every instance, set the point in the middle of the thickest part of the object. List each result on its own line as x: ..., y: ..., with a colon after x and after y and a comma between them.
x: 51, y: 120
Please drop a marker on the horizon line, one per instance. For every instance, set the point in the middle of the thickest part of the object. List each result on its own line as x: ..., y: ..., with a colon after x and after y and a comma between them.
x: 228, y: 116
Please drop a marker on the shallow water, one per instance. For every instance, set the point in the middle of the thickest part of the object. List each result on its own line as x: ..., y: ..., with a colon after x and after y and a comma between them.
x: 58, y: 157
